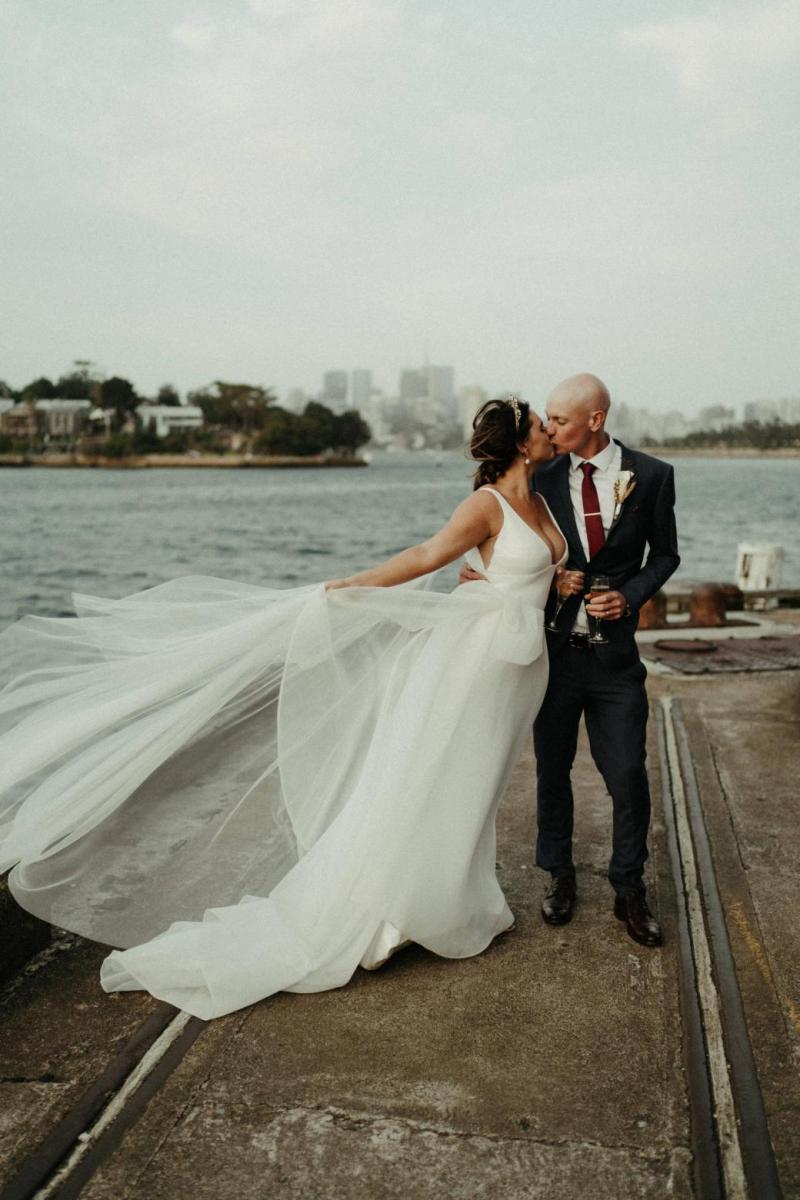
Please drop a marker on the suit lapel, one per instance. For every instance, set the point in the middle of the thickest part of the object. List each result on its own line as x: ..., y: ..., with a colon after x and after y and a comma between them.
x: 626, y: 464
x: 565, y: 513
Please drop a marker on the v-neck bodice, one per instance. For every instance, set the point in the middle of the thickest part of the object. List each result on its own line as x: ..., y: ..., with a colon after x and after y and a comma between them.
x: 521, y: 557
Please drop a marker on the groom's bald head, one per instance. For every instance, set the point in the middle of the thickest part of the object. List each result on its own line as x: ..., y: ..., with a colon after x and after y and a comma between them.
x: 582, y: 392
x: 576, y: 414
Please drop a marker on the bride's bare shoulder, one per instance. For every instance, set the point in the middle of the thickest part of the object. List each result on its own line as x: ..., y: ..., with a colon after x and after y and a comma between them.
x: 481, y: 506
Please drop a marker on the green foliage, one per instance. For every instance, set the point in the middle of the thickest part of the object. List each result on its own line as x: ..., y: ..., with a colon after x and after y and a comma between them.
x: 209, y: 441
x: 286, y: 433
x: 119, y: 445
x: 76, y: 385
x: 321, y: 424
x: 119, y: 395
x: 242, y: 407
x: 317, y: 429
x: 174, y: 443
x: 350, y: 431
x: 39, y: 389
x: 6, y: 444
x: 167, y: 394
x: 144, y: 441
x: 755, y: 435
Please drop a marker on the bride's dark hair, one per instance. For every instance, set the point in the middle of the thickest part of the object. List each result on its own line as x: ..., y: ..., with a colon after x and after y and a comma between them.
x: 498, y: 428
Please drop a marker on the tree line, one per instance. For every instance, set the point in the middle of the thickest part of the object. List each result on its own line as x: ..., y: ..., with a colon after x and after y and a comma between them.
x: 240, y: 416
x: 753, y: 435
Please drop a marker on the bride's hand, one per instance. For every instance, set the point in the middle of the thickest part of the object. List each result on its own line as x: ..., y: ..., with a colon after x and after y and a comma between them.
x: 569, y: 583
x: 335, y: 583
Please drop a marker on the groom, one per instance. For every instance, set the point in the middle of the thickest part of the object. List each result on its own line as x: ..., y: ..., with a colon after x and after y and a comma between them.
x: 612, y: 504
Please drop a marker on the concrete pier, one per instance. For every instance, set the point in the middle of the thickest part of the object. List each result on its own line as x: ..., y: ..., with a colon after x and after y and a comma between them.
x: 552, y: 1065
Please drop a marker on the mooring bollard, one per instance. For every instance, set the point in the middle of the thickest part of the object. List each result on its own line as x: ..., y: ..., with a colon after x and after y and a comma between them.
x: 708, y: 605
x: 758, y: 569
x: 653, y: 614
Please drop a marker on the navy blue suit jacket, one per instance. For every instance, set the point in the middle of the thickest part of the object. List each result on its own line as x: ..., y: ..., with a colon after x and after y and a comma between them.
x: 645, y: 524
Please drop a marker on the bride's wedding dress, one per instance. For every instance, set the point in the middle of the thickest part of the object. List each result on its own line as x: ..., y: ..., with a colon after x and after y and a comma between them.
x: 256, y: 790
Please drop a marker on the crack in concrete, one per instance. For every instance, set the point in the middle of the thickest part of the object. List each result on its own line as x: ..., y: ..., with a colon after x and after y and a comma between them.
x: 192, y: 1092
x: 31, y: 1079
x: 359, y: 1120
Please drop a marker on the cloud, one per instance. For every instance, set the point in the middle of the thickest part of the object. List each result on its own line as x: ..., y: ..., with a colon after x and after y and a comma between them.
x: 197, y: 36
x: 720, y: 60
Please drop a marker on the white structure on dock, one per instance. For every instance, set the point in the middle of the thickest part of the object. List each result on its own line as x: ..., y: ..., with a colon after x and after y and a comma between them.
x: 758, y: 568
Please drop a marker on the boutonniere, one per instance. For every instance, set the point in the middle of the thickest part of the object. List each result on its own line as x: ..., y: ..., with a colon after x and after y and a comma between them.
x: 624, y: 484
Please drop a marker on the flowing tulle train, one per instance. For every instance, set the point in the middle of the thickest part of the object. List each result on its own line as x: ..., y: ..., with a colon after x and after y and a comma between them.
x: 254, y: 789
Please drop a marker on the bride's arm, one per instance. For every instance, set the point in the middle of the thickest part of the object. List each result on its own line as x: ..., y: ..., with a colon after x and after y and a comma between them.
x: 471, y: 523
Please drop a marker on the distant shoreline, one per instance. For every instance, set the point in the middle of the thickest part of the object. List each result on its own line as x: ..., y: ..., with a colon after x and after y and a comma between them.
x: 135, y: 462
x: 721, y: 452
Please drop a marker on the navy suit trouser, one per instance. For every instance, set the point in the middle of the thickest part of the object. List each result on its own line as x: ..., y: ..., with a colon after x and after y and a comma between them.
x: 613, y: 702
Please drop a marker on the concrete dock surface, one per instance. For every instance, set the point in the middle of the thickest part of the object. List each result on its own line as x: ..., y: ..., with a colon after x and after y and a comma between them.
x: 554, y: 1064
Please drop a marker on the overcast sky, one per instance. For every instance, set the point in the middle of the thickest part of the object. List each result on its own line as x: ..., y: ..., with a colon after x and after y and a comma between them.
x: 261, y: 190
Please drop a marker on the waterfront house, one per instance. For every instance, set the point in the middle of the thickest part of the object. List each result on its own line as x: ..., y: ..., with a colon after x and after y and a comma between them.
x: 163, y: 419
x: 54, y: 422
x: 64, y: 420
x: 23, y: 422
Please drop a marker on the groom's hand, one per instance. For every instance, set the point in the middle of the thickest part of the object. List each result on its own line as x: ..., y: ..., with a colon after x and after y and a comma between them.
x: 608, y: 606
x: 469, y: 574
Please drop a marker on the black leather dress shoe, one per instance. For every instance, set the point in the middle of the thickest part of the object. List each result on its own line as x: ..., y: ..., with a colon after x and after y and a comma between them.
x: 642, y: 925
x: 559, y: 901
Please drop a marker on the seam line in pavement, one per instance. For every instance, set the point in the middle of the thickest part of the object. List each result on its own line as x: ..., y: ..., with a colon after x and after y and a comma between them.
x: 705, y: 1145
x: 728, y: 1116
x: 754, y: 1138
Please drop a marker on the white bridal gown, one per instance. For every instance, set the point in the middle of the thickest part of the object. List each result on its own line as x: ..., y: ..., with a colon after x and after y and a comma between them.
x: 256, y: 790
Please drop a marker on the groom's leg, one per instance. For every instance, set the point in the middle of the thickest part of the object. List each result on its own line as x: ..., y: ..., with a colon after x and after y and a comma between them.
x: 555, y: 740
x: 616, y: 721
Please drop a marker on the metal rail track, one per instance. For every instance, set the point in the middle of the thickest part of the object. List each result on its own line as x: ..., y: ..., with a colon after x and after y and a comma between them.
x: 94, y: 1126
x: 734, y: 1159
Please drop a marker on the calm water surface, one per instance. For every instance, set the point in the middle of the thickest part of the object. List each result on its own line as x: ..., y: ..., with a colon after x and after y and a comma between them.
x: 113, y: 532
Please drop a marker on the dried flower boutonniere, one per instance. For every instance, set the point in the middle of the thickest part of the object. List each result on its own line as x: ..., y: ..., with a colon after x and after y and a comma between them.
x: 624, y: 484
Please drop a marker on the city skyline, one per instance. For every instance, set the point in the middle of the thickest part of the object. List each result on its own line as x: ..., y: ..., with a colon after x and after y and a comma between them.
x: 197, y: 192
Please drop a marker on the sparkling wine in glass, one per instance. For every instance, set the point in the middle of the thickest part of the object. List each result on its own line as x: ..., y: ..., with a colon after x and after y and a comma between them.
x: 561, y: 600
x: 597, y: 585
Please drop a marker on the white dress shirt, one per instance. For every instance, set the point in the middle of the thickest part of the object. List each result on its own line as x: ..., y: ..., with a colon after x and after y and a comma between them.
x: 608, y: 464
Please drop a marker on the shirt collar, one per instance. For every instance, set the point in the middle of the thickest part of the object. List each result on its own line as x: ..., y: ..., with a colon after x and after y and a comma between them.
x: 601, y: 461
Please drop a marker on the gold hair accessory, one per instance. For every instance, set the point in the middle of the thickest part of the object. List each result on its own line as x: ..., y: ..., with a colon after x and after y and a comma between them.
x: 514, y: 402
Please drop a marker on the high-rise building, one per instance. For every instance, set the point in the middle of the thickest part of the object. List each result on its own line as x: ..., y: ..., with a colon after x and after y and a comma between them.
x: 334, y: 390
x: 790, y: 409
x: 716, y: 417
x: 360, y: 389
x: 413, y: 384
x: 441, y: 384
x: 469, y: 401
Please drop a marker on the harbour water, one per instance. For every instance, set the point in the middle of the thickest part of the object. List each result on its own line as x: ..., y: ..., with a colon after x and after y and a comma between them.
x: 110, y: 532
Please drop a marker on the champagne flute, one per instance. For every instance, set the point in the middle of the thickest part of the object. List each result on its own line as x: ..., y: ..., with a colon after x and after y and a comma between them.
x: 561, y: 599
x: 597, y: 585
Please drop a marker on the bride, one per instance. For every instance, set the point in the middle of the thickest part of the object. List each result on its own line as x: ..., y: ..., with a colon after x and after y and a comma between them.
x: 321, y: 764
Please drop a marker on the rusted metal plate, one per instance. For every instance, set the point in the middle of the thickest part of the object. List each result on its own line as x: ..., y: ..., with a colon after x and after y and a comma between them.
x: 735, y: 654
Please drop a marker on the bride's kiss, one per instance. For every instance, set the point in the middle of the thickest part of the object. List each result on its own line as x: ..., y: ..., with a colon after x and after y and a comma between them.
x: 255, y: 790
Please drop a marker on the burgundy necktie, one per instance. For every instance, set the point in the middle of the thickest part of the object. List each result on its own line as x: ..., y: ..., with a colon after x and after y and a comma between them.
x: 591, y: 510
